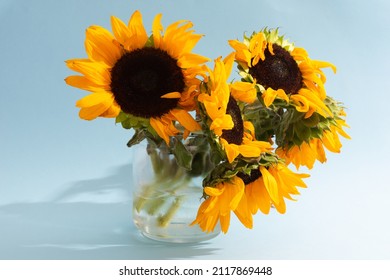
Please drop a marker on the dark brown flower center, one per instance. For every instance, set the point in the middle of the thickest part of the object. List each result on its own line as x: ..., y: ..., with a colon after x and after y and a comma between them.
x: 234, y: 135
x: 139, y: 79
x: 255, y: 174
x: 278, y: 71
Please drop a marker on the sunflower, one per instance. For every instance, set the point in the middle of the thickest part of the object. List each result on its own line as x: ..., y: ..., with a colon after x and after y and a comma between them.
x: 235, y: 135
x: 283, y: 72
x: 149, y: 77
x: 245, y: 194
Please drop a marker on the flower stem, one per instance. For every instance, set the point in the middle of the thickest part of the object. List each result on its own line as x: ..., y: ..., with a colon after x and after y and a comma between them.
x: 165, y: 219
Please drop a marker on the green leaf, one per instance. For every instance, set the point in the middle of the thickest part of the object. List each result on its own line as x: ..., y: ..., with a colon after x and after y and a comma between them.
x: 182, y: 155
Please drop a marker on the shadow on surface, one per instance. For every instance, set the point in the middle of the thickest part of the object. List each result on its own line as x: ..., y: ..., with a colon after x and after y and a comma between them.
x: 90, y: 219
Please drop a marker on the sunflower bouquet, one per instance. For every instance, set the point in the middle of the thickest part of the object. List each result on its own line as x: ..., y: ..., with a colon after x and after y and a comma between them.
x: 240, y: 137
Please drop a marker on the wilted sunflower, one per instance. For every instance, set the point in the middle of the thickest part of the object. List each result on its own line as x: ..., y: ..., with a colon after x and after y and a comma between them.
x: 246, y: 194
x: 235, y: 135
x: 283, y: 72
x: 150, y: 77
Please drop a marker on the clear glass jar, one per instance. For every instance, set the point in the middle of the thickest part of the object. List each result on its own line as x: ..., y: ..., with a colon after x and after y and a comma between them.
x: 166, y: 196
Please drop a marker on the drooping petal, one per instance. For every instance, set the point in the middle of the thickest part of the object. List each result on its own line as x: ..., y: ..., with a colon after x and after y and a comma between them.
x: 270, y: 184
x: 270, y: 94
x: 185, y: 119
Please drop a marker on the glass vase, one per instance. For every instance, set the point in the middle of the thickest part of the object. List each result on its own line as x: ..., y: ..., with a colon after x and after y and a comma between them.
x: 166, y: 196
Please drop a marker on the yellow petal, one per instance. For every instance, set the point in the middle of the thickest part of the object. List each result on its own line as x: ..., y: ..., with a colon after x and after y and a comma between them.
x: 189, y: 60
x: 262, y: 195
x: 225, y: 222
x: 237, y: 188
x: 223, y: 123
x: 82, y: 82
x: 257, y: 47
x: 120, y: 30
x: 228, y: 61
x: 90, y: 113
x: 249, y: 151
x: 331, y: 141
x: 231, y: 150
x: 94, y: 99
x: 242, y: 52
x: 323, y: 64
x: 112, y: 112
x: 96, y: 72
x: 270, y: 94
x: 160, y: 129
x: 270, y: 184
x: 156, y: 30
x: 300, y: 102
x: 243, y: 91
x: 321, y: 156
x: 213, y: 191
x: 172, y: 95
x: 137, y: 31
x: 100, y: 45
x: 316, y: 102
x: 185, y: 119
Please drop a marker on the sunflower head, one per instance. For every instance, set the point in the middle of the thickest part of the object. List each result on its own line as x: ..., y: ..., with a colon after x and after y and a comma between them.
x: 222, y: 114
x: 250, y: 187
x: 285, y: 75
x: 292, y: 105
x: 305, y: 139
x: 143, y: 76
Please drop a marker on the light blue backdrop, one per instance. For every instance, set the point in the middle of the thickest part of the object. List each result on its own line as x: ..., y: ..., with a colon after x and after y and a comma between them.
x: 64, y: 182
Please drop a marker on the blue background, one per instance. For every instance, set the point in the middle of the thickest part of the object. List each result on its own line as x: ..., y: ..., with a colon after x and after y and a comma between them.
x: 65, y: 188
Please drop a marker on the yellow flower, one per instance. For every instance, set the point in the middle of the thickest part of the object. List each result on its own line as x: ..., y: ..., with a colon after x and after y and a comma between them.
x: 153, y: 78
x: 246, y: 194
x: 235, y: 135
x: 283, y: 72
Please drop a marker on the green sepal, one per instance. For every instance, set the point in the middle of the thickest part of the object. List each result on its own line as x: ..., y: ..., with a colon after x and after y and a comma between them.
x: 121, y: 117
x: 150, y: 42
x: 312, y: 121
x: 302, y: 131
